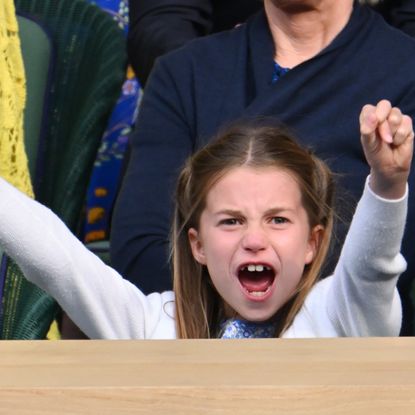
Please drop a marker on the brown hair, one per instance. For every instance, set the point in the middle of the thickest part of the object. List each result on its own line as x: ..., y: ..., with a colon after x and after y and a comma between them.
x: 199, y: 308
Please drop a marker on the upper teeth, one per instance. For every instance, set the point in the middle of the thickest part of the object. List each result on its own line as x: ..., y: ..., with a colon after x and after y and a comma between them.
x: 257, y: 268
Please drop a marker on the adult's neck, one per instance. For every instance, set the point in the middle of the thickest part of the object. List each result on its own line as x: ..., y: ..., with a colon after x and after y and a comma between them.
x: 301, y: 29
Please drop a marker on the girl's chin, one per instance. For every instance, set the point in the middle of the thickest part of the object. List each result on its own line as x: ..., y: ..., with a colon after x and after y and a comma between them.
x: 256, y: 316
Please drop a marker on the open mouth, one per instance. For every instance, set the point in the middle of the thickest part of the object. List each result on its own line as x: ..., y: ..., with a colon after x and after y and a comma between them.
x: 256, y: 279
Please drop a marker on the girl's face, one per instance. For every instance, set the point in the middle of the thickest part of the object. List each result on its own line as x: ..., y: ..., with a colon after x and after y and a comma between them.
x: 255, y: 239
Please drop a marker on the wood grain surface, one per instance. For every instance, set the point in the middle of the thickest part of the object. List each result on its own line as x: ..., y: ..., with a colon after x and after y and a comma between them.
x: 269, y: 376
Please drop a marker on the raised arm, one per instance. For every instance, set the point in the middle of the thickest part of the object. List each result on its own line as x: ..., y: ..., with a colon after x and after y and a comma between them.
x: 362, y: 298
x: 387, y: 139
x: 94, y: 296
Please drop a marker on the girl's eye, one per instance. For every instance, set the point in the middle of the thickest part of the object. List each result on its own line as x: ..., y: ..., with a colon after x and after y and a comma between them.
x: 230, y: 222
x: 279, y: 220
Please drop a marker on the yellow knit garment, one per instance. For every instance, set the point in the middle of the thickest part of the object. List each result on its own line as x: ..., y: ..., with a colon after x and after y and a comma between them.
x: 13, y: 160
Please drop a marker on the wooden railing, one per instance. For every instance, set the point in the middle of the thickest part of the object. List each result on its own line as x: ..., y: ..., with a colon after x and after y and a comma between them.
x: 238, y: 377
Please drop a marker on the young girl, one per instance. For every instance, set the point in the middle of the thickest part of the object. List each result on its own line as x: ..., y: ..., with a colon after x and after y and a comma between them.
x: 251, y: 230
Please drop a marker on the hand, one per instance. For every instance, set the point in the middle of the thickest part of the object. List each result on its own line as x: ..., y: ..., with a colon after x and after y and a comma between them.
x: 387, y: 138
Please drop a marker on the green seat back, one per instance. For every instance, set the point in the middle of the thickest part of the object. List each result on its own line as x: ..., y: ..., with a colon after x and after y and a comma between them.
x: 29, y: 318
x: 89, y: 61
x: 37, y: 53
x: 89, y: 68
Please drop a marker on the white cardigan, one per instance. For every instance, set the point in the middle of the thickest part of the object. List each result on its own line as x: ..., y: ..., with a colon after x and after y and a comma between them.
x: 360, y: 299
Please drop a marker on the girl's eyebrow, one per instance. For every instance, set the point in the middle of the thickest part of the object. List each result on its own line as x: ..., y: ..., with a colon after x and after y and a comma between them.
x: 230, y: 212
x: 268, y: 212
x: 278, y: 210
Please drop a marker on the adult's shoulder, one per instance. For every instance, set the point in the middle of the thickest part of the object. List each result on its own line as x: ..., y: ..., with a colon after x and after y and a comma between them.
x: 390, y: 38
x: 215, y: 50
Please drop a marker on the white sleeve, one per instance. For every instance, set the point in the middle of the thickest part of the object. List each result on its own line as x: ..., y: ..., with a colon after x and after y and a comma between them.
x: 95, y: 296
x: 363, y: 299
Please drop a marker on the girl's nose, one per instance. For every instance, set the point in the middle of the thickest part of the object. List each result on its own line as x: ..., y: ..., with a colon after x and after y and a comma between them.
x: 254, y: 240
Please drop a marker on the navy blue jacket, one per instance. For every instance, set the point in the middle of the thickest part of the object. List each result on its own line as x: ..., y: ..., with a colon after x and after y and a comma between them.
x: 159, y: 26
x: 219, y: 78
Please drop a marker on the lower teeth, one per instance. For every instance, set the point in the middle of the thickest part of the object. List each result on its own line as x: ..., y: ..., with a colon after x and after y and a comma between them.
x: 258, y: 293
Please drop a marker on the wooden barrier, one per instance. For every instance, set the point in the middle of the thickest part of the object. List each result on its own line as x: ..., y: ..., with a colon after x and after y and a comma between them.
x: 223, y: 377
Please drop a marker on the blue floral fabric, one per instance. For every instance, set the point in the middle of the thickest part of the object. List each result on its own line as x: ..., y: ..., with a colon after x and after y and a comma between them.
x: 241, y: 329
x: 105, y: 177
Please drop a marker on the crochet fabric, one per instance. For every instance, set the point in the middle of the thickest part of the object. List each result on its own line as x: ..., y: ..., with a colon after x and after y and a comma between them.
x: 13, y: 160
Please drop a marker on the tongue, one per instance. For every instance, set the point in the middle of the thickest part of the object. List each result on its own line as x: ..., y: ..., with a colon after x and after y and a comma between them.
x: 258, y: 282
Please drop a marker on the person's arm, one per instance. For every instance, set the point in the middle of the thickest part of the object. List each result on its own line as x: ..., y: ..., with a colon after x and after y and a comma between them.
x: 363, y: 300
x: 163, y: 139
x: 159, y: 26
x: 97, y: 299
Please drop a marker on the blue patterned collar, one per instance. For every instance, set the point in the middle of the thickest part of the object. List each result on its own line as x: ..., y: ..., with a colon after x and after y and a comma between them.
x: 241, y: 329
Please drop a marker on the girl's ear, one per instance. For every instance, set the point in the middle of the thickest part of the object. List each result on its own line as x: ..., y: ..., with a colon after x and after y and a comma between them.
x: 196, y: 246
x: 314, y: 241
